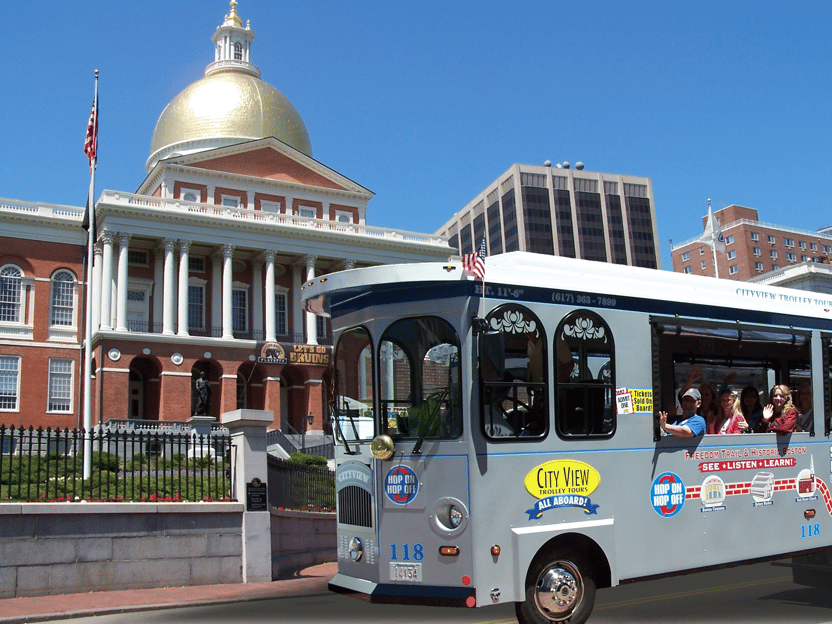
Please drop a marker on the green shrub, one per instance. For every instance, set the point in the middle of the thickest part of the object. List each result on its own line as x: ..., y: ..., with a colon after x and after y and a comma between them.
x: 101, y: 460
x: 307, y: 460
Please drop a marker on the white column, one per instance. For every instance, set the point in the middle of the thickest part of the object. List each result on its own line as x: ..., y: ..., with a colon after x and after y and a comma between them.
x: 216, y: 293
x: 121, y: 286
x: 311, y: 324
x: 271, y: 329
x: 257, y: 299
x: 98, y: 259
x: 297, y: 310
x: 106, y: 279
x: 158, y: 283
x: 182, y: 325
x: 227, y: 274
x: 168, y: 296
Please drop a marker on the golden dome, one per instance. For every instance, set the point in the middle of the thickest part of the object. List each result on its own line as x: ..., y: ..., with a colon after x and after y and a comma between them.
x: 224, y: 108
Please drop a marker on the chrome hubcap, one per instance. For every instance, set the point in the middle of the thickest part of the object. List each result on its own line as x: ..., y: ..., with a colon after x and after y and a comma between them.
x: 558, y: 591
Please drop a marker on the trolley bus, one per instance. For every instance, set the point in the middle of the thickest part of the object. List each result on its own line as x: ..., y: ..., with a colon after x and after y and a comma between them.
x: 498, y: 440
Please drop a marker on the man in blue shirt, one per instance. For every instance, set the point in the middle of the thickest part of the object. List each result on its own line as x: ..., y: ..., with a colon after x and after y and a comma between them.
x: 689, y: 423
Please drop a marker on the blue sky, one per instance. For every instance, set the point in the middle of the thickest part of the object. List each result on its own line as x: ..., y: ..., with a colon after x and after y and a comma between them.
x: 426, y: 103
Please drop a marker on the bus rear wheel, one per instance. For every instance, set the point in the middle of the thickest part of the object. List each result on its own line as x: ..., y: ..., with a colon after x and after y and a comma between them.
x: 560, y: 588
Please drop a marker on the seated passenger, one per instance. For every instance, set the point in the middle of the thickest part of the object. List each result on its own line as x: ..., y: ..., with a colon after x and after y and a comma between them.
x: 752, y: 409
x: 689, y: 423
x: 707, y: 407
x: 729, y: 418
x: 780, y: 415
x: 805, y: 420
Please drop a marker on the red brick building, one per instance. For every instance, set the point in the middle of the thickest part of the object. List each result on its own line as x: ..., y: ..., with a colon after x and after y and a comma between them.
x: 200, y: 270
x: 751, y: 247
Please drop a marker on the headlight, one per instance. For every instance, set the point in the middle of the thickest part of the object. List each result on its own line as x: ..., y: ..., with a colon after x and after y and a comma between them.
x: 450, y: 517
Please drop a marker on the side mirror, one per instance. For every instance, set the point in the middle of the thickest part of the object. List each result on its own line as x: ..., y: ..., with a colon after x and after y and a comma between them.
x: 492, y: 352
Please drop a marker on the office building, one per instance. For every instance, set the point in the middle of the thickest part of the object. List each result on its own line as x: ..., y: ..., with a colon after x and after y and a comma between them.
x: 564, y: 212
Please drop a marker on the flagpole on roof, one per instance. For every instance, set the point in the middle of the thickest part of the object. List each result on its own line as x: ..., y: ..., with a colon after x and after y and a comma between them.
x: 713, y: 245
x: 91, y: 150
x: 713, y: 236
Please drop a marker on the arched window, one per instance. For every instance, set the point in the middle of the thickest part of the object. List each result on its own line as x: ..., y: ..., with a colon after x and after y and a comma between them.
x: 238, y: 51
x: 352, y: 400
x: 63, y: 299
x: 515, y: 405
x: 419, y: 380
x: 585, y: 384
x: 10, y: 294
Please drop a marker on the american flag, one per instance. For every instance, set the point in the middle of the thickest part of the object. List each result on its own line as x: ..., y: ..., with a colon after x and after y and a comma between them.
x: 91, y: 141
x: 475, y: 263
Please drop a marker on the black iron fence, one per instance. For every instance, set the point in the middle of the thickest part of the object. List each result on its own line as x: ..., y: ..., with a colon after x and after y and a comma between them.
x: 48, y: 465
x: 295, y: 486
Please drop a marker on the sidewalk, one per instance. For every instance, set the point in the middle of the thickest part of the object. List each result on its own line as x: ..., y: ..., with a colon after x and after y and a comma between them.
x: 308, y: 582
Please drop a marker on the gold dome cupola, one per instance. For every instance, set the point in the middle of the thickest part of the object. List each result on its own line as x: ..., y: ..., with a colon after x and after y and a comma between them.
x: 229, y: 105
x: 232, y: 46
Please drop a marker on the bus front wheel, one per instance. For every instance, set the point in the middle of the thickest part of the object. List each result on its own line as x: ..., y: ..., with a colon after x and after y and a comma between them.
x: 560, y: 587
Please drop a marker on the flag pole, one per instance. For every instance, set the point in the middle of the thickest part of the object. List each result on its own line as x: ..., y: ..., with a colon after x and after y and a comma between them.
x: 713, y: 242
x: 87, y: 408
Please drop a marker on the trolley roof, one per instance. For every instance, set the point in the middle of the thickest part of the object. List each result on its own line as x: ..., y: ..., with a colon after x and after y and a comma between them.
x: 539, y: 273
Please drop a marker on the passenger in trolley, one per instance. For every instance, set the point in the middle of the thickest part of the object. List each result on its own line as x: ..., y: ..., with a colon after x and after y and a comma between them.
x: 752, y: 409
x: 729, y: 418
x: 690, y: 423
x: 780, y: 415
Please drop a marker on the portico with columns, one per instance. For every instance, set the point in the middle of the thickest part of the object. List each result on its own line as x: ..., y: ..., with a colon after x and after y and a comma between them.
x: 202, y: 268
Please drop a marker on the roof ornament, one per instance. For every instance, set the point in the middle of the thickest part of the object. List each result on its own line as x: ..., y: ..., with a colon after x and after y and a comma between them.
x: 232, y: 19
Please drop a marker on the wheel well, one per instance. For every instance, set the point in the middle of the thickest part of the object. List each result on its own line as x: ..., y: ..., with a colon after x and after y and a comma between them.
x: 583, y: 545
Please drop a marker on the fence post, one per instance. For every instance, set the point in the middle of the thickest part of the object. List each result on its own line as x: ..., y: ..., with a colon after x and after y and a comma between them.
x: 249, y: 465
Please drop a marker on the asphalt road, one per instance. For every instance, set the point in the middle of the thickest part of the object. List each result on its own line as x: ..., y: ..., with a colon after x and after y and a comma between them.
x: 749, y: 594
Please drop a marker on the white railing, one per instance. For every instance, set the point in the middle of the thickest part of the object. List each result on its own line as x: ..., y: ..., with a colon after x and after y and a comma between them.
x: 172, y: 206
x: 45, y: 210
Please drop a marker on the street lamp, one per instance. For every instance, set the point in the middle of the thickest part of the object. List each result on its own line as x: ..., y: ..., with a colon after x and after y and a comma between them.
x: 307, y: 420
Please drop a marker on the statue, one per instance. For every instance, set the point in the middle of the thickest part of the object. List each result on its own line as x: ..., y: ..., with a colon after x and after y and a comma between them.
x: 202, y: 388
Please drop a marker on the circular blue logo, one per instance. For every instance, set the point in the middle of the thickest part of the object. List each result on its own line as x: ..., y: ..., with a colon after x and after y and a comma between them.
x: 401, y: 485
x: 667, y: 494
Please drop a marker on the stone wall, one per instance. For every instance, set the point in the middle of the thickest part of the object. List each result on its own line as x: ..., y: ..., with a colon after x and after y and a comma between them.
x: 55, y: 548
x: 301, y: 539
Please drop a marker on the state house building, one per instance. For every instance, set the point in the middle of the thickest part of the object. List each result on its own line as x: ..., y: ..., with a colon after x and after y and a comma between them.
x: 563, y: 212
x: 200, y: 270
x: 752, y: 247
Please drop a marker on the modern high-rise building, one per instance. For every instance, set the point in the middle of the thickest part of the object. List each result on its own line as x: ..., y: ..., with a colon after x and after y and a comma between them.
x: 198, y: 272
x: 751, y: 247
x: 563, y: 212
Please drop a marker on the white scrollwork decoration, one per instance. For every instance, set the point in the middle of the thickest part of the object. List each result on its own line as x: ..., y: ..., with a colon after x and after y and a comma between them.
x: 585, y: 329
x: 442, y: 354
x: 389, y: 352
x: 514, y: 322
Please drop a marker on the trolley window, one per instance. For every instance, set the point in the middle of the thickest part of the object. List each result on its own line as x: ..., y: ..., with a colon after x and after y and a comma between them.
x: 715, y: 356
x: 585, y: 389
x: 352, y: 405
x: 420, y: 380
x: 514, y: 406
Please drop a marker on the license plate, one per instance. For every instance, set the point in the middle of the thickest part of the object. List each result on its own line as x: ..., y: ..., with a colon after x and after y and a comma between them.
x: 406, y: 572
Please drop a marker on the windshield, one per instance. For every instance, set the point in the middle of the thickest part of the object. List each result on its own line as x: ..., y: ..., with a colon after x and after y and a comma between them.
x: 420, y: 379
x: 352, y: 407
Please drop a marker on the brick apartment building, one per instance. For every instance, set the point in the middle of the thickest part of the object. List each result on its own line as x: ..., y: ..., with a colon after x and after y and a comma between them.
x: 751, y: 247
